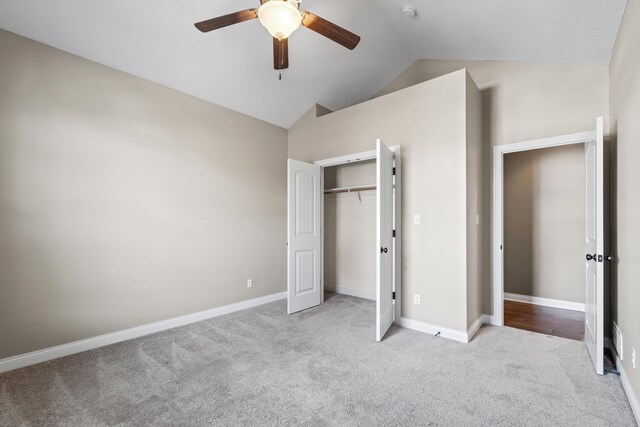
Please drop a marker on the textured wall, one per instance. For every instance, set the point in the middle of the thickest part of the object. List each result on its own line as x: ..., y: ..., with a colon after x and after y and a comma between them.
x: 123, y: 202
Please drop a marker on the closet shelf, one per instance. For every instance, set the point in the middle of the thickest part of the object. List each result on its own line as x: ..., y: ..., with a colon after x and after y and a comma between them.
x: 350, y: 189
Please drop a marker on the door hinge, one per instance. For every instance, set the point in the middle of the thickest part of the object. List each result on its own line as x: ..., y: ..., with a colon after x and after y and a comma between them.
x: 394, y: 170
x: 393, y: 234
x: 393, y: 295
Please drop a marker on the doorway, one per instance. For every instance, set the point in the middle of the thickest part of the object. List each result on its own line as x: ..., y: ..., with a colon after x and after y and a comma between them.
x: 544, y: 229
x: 594, y: 258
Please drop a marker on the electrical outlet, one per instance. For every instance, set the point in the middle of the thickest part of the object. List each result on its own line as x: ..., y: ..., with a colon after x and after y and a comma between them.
x: 416, y: 219
x: 416, y: 299
x: 633, y: 358
x: 250, y: 283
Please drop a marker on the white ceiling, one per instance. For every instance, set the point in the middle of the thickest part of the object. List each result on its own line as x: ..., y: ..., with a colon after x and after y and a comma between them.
x: 233, y: 67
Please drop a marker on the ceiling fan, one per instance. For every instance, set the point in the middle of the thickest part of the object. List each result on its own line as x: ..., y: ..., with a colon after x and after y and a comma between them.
x: 281, y: 18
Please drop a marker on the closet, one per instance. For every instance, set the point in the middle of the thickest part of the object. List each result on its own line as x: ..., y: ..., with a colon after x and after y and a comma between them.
x: 355, y: 239
x: 350, y: 229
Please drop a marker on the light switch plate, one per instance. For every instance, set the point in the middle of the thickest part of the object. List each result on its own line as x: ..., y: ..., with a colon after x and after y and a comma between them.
x: 416, y: 219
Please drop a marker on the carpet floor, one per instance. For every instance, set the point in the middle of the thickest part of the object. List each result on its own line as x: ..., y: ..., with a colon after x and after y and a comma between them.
x: 318, y: 367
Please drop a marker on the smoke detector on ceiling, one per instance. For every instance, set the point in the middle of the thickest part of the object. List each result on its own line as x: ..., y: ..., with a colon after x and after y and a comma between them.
x: 409, y: 11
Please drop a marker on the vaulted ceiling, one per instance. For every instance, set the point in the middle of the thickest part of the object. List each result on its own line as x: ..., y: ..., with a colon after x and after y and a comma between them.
x: 233, y: 67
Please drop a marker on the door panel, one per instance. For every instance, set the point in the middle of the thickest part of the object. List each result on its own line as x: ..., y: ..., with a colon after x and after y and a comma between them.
x: 304, y: 239
x: 384, y: 249
x: 594, y: 301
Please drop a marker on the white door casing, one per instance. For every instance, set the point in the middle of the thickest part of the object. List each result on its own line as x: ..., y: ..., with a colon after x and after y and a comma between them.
x: 304, y: 244
x: 384, y: 249
x: 595, y: 258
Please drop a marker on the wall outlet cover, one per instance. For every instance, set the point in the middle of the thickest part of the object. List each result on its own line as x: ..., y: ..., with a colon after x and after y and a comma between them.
x: 250, y: 283
x: 416, y: 299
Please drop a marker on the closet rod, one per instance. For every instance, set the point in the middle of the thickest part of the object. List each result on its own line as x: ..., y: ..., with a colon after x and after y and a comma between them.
x: 350, y: 189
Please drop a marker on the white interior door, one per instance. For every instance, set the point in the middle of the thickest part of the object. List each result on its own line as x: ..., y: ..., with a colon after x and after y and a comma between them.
x: 304, y: 243
x: 384, y: 273
x: 594, y: 304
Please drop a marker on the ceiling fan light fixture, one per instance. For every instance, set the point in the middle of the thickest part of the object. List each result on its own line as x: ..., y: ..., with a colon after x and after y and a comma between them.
x: 280, y: 18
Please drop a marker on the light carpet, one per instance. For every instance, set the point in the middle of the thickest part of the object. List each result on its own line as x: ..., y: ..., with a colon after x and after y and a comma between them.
x: 318, y: 367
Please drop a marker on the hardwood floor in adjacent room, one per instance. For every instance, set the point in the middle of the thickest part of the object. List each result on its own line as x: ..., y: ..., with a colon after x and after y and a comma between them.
x: 545, y: 320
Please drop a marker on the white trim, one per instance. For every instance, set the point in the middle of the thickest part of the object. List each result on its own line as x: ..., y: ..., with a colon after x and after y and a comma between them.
x: 51, y: 353
x: 547, y: 302
x: 349, y: 291
x: 452, y: 334
x: 484, y: 319
x: 489, y: 320
x: 475, y: 328
x: 352, y: 158
x: 626, y: 385
x: 499, y: 151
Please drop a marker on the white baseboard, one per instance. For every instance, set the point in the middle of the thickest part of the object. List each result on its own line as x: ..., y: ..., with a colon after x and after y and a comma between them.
x: 489, y: 319
x: 474, y: 328
x: 51, y: 353
x: 452, y: 334
x: 547, y: 302
x: 348, y: 291
x: 631, y: 396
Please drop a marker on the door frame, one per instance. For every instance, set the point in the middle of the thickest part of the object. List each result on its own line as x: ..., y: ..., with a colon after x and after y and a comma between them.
x: 498, y: 207
x: 362, y: 157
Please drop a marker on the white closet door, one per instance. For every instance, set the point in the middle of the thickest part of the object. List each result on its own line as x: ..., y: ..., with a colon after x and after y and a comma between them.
x: 384, y: 273
x: 304, y: 238
x: 594, y: 307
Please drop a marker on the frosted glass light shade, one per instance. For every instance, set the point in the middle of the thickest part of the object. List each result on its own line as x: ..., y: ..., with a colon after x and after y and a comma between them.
x: 280, y: 18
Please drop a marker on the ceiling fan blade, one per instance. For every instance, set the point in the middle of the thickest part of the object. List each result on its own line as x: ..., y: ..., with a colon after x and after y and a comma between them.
x: 280, y: 54
x: 330, y: 30
x: 226, y: 20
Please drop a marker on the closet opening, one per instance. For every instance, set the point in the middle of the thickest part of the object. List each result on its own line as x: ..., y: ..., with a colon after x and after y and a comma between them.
x: 350, y: 229
x: 344, y: 231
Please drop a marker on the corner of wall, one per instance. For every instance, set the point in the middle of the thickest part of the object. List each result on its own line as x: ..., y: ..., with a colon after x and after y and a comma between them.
x: 473, y: 137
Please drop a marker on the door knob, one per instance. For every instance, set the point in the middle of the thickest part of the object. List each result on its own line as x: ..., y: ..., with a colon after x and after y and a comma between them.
x: 383, y: 250
x: 591, y: 257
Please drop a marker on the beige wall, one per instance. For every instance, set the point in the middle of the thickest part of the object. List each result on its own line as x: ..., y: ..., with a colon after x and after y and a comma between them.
x: 475, y: 236
x: 428, y: 122
x: 123, y: 202
x: 524, y: 100
x: 520, y: 101
x: 625, y: 193
x: 350, y: 229
x: 544, y: 223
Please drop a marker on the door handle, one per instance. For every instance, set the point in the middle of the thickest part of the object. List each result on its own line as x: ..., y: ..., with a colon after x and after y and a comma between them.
x: 383, y: 250
x: 591, y: 257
